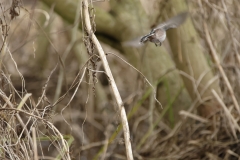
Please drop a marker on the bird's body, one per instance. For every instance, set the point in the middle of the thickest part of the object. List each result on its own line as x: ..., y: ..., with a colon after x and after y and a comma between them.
x: 158, y: 34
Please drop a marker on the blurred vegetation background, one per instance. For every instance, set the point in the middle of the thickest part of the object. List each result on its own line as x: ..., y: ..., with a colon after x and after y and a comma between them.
x: 195, y: 76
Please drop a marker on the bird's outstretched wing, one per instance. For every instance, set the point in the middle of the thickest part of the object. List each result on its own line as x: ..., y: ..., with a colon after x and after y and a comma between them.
x: 173, y: 22
x: 134, y: 43
x: 138, y: 42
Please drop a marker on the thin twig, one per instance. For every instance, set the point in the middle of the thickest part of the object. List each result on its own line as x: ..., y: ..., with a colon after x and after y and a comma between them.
x: 217, y: 62
x: 232, y: 121
x: 5, y: 98
x: 111, y: 80
x: 231, y: 32
x: 145, y: 78
x: 35, y: 152
x: 216, y: 59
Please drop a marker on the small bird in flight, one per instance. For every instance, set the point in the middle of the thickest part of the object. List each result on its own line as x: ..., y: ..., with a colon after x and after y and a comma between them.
x: 158, y: 34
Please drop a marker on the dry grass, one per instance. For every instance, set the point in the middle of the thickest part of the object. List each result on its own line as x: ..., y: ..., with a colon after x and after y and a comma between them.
x: 53, y: 109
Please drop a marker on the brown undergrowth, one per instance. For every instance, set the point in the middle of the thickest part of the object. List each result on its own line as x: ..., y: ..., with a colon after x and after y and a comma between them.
x: 62, y: 107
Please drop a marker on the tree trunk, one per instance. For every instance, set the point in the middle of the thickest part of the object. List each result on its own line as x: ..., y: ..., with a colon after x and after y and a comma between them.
x: 190, y: 59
